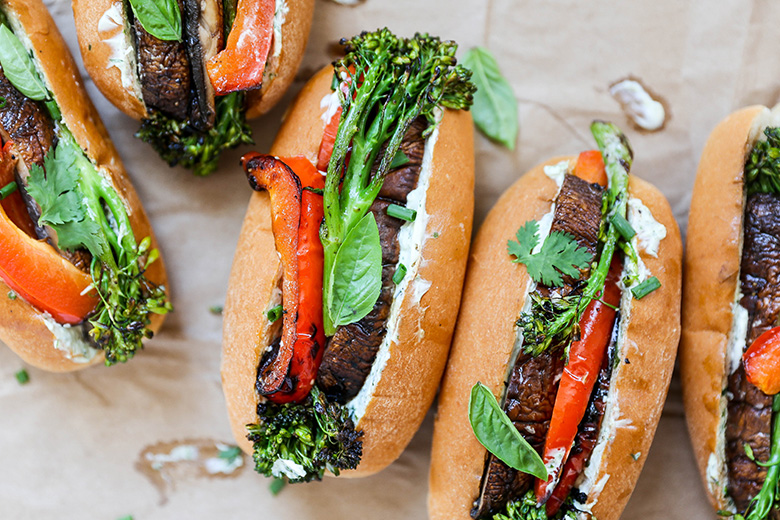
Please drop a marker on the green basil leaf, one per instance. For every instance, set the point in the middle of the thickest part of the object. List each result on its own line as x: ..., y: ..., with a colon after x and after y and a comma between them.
x: 357, y: 273
x: 18, y: 66
x: 160, y: 18
x: 499, y: 436
x: 495, y: 106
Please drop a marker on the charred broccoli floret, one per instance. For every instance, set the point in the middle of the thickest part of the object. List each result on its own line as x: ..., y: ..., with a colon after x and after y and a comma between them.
x: 527, y: 509
x: 302, y: 440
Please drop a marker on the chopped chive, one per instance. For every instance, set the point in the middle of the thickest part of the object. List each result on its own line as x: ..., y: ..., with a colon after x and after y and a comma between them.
x: 216, y: 309
x: 399, y: 274
x: 399, y: 160
x: 636, y: 455
x: 645, y: 288
x: 277, y: 484
x: 22, y: 377
x: 54, y: 110
x: 11, y: 295
x: 128, y: 517
x: 274, y: 314
x: 7, y: 189
x: 435, y: 234
x: 623, y: 227
x: 394, y: 210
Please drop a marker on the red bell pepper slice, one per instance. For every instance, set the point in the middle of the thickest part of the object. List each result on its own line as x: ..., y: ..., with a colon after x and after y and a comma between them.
x: 328, y: 141
x: 241, y: 64
x: 579, y: 376
x: 590, y: 167
x: 268, y: 173
x: 32, y: 268
x: 310, y: 342
x: 762, y: 362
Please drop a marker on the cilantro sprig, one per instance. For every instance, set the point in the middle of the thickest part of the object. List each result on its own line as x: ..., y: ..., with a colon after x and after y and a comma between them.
x: 559, y: 254
x: 86, y: 212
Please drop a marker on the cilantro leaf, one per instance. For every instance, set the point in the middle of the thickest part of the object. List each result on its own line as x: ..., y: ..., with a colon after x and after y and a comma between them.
x: 559, y: 254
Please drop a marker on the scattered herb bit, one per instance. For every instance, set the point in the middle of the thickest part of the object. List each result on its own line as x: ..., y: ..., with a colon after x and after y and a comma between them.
x: 22, y: 377
x: 216, y: 309
x: 646, y: 287
x: 636, y: 455
x: 18, y: 66
x: 401, y: 212
x: 276, y: 486
x: 160, y: 18
x: 178, y: 142
x: 495, y: 106
x: 316, y: 435
x: 495, y: 431
x: 128, y: 517
x: 274, y: 314
x: 401, y: 79
x: 435, y: 234
x: 7, y: 189
x: 229, y: 453
x: 762, y: 168
x: 559, y: 253
x: 11, y: 295
x: 623, y: 227
x: 538, y: 324
x: 399, y: 274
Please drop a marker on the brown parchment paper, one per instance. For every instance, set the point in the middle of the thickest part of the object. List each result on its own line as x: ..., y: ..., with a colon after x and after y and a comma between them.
x: 75, y: 446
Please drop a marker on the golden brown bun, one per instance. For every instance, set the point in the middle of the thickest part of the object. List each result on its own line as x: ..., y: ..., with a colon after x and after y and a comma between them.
x: 412, y: 374
x: 26, y: 333
x: 712, y: 263
x: 482, y: 348
x: 96, y: 54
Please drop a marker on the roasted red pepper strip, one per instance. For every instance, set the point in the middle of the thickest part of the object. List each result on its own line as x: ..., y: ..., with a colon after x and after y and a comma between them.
x: 328, y: 141
x: 241, y: 64
x: 268, y: 173
x: 13, y: 204
x: 762, y: 362
x: 310, y: 342
x: 579, y: 376
x: 590, y: 167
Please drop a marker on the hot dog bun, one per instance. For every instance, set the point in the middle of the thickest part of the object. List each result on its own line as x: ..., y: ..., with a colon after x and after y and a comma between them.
x: 22, y: 327
x: 712, y: 263
x: 411, y: 376
x: 94, y: 28
x: 493, y: 298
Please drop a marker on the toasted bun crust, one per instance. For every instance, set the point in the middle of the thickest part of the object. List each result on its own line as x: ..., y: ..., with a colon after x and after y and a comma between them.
x: 495, y: 288
x: 712, y: 262
x: 22, y: 327
x: 96, y: 54
x: 411, y: 376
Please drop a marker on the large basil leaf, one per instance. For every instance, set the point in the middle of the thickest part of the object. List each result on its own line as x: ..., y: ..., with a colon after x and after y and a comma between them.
x: 160, y: 18
x: 357, y: 274
x: 495, y: 107
x: 18, y: 66
x: 499, y: 436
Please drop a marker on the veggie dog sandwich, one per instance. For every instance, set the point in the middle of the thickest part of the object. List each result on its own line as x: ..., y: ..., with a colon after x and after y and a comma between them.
x: 193, y: 71
x: 77, y: 254
x: 548, y: 408
x: 347, y: 278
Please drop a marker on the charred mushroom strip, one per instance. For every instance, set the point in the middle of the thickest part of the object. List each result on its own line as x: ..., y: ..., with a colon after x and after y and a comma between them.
x: 749, y: 409
x: 26, y: 123
x: 203, y: 110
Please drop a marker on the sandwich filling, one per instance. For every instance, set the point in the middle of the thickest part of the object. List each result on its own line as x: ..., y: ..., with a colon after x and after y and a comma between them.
x: 744, y: 471
x: 376, y: 156
x: 68, y: 246
x: 567, y: 352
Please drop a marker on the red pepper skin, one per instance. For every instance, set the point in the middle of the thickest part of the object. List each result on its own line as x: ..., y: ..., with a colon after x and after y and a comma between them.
x: 579, y: 377
x: 762, y: 362
x: 328, y: 141
x: 590, y: 167
x: 310, y: 343
x: 268, y: 173
x: 241, y: 64
x: 13, y: 204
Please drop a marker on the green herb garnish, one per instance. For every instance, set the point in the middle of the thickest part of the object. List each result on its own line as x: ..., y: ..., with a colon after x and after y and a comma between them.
x: 216, y: 309
x: 401, y: 212
x: 495, y: 106
x: 495, y: 431
x: 400, y: 274
x: 229, y: 453
x: 400, y: 79
x: 559, y: 253
x: 86, y: 212
x: 160, y: 18
x: 315, y: 435
x: 624, y: 228
x: 275, y: 313
x: 762, y: 168
x: 645, y: 288
x: 276, y: 485
x: 22, y: 377
x: 526, y: 508
x: 8, y: 189
x: 11, y: 295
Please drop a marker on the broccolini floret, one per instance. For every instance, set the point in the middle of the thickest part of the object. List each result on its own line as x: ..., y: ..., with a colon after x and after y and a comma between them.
x: 527, y: 509
x: 308, y: 437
